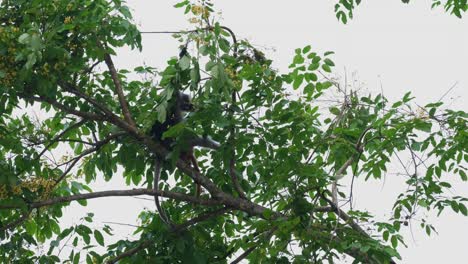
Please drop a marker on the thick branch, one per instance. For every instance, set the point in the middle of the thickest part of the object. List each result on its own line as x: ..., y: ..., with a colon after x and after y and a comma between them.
x: 130, y: 252
x: 116, y: 193
x: 345, y: 217
x: 119, y: 90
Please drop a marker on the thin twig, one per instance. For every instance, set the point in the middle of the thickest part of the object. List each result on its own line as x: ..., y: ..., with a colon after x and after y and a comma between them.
x: 448, y: 91
x: 56, y: 138
x: 66, y: 109
x: 201, y: 218
x: 122, y: 224
x: 252, y: 248
x: 98, y: 145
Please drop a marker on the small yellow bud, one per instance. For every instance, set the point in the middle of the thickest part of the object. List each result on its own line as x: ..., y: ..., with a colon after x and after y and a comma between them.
x: 194, y: 20
x: 67, y: 20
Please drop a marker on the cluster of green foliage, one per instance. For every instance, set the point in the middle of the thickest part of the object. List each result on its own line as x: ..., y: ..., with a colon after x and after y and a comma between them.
x: 344, y: 8
x: 267, y: 186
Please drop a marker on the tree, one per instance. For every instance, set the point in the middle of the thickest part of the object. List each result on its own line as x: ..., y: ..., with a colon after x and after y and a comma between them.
x: 272, y: 183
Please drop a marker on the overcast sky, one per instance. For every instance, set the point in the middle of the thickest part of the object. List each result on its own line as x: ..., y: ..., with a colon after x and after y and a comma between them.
x: 388, y: 46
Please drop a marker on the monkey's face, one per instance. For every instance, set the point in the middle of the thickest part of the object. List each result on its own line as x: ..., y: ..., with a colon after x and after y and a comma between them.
x: 186, y: 103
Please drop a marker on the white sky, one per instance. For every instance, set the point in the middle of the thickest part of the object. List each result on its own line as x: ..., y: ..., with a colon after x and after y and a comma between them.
x: 399, y: 47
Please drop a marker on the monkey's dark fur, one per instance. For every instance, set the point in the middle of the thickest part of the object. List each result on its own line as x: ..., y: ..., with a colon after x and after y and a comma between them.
x: 174, y: 116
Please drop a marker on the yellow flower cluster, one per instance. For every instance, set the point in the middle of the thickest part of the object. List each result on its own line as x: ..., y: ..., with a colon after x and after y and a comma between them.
x: 233, y: 76
x: 230, y: 72
x: 9, y: 74
x: 202, y: 11
x: 237, y: 83
x: 67, y: 20
x: 7, y: 60
x: 33, y: 185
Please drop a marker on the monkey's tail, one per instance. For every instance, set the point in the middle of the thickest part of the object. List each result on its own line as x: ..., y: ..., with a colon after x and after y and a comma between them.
x: 157, y: 174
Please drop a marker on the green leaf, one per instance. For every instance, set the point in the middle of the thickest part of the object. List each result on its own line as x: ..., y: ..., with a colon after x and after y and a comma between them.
x: 298, y: 81
x: 463, y: 175
x: 224, y: 45
x: 407, y: 97
x: 181, y: 4
x: 23, y: 39
x: 298, y: 59
x: 394, y: 241
x: 454, y: 206
x: 99, y: 238
x: 267, y: 213
x: 184, y: 63
x: 462, y: 209
x: 316, y: 60
x: 329, y: 62
x: 326, y: 68
x: 385, y: 235
x: 334, y: 110
x: 313, y: 66
x: 428, y: 230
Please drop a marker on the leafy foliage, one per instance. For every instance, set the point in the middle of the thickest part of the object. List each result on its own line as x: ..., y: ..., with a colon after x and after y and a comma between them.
x: 267, y: 185
x: 344, y: 8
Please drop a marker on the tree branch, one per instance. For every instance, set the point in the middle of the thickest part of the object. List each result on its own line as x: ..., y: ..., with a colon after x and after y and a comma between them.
x: 17, y: 222
x: 66, y: 109
x: 74, y: 90
x: 232, y: 136
x: 119, y: 90
x: 130, y: 252
x: 57, y: 137
x: 144, y: 244
x: 201, y: 218
x: 252, y: 248
x: 345, y: 217
x: 117, y: 193
x: 96, y: 147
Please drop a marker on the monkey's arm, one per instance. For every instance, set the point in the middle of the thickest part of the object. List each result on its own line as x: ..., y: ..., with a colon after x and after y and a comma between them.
x: 204, y: 142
